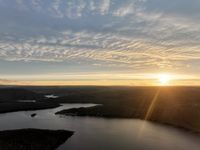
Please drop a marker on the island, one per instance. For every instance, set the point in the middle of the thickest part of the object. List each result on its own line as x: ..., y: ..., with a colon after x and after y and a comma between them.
x: 33, y: 139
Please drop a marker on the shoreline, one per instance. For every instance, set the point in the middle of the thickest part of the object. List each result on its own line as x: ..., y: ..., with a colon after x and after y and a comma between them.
x: 16, y: 107
x: 81, y: 113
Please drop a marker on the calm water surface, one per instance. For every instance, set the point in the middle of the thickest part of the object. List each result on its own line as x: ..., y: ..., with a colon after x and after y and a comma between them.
x: 103, y: 134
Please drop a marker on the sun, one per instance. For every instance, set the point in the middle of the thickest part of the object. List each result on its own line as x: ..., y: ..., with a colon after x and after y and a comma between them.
x: 164, y: 79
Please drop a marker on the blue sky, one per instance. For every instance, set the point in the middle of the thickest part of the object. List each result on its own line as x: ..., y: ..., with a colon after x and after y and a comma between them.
x: 104, y: 37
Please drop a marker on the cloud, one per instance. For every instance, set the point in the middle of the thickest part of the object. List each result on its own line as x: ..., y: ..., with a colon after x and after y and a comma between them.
x: 9, y: 82
x: 178, y: 8
x: 106, y: 49
x: 134, y: 34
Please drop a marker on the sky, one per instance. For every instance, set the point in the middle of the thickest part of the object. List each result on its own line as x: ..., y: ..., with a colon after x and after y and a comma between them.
x: 99, y: 42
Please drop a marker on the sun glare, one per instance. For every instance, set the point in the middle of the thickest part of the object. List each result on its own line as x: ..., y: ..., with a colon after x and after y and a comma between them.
x: 164, y: 79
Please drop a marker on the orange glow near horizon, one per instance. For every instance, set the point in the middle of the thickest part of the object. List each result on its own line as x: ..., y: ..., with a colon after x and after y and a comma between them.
x: 102, y: 79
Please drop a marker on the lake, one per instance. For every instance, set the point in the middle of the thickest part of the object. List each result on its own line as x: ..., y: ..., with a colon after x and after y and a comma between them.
x: 103, y: 134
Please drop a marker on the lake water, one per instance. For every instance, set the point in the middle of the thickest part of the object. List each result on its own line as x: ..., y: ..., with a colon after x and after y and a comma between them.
x: 103, y: 134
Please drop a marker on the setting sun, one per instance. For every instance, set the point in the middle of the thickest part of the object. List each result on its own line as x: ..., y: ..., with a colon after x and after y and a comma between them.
x: 164, y: 79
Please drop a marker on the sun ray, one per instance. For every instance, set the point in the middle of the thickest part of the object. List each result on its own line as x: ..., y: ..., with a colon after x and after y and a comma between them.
x: 149, y: 112
x: 152, y: 105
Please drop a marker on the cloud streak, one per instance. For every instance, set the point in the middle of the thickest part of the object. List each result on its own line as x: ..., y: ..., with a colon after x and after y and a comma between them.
x: 133, y: 34
x: 110, y: 48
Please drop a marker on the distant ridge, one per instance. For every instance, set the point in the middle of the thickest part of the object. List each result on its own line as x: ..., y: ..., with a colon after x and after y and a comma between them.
x: 14, y: 94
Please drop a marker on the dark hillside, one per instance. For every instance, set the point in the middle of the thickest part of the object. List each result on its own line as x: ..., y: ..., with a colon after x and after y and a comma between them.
x: 14, y: 94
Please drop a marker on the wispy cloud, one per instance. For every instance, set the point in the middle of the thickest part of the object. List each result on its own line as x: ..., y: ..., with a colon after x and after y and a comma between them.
x: 10, y: 82
x: 110, y: 48
x: 132, y: 34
